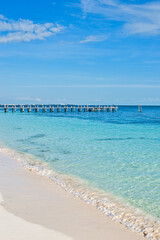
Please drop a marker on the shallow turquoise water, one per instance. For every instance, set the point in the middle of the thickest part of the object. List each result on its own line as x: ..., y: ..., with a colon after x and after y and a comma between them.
x: 116, y: 152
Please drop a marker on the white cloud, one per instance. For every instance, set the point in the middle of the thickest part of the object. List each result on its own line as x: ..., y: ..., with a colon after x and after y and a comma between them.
x: 92, y: 38
x: 29, y: 99
x: 152, y: 100
x: 96, y: 86
x: 136, y: 18
x: 25, y: 30
x: 2, y: 17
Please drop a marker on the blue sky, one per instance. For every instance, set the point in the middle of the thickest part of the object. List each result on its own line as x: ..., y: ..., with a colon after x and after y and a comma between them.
x: 80, y: 51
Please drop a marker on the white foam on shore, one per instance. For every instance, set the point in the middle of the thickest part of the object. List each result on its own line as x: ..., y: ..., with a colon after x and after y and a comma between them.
x: 131, y: 218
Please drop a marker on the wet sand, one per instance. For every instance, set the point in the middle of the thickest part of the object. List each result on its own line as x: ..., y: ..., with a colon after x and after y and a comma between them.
x: 33, y: 207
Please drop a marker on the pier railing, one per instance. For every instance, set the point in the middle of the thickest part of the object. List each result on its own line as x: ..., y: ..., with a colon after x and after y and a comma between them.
x: 57, y: 108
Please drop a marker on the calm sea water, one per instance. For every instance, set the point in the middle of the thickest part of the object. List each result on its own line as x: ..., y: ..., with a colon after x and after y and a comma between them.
x: 115, y: 152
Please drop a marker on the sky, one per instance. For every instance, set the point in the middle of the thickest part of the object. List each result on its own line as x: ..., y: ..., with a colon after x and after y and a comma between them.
x: 80, y: 52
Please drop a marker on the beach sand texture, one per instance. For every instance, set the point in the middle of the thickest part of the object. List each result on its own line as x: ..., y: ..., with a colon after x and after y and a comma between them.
x: 35, y: 208
x: 15, y: 228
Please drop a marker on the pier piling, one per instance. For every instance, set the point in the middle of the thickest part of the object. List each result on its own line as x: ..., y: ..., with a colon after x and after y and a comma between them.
x: 36, y: 109
x: 29, y: 108
x: 13, y: 108
x: 66, y: 109
x: 51, y: 109
x: 44, y: 110
x: 21, y: 108
x: 58, y: 108
x: 5, y: 108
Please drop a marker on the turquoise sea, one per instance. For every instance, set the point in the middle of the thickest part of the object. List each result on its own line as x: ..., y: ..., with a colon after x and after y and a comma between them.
x: 114, y: 153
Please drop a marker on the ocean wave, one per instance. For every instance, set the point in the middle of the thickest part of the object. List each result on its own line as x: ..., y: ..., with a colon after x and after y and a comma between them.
x: 130, y: 217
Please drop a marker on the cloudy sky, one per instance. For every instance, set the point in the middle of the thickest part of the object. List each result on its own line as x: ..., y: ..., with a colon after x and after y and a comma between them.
x: 80, y: 51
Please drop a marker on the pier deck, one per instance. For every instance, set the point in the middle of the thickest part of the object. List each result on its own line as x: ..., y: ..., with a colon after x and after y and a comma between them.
x: 57, y: 108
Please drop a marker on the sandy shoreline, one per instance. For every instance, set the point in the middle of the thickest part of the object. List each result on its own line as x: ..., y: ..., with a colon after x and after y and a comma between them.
x: 44, y: 209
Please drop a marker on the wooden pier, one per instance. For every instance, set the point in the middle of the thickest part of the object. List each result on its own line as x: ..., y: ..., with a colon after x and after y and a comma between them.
x: 56, y: 108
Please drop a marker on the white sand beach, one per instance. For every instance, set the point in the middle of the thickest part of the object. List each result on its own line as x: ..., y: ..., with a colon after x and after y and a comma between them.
x: 16, y: 228
x: 33, y: 207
